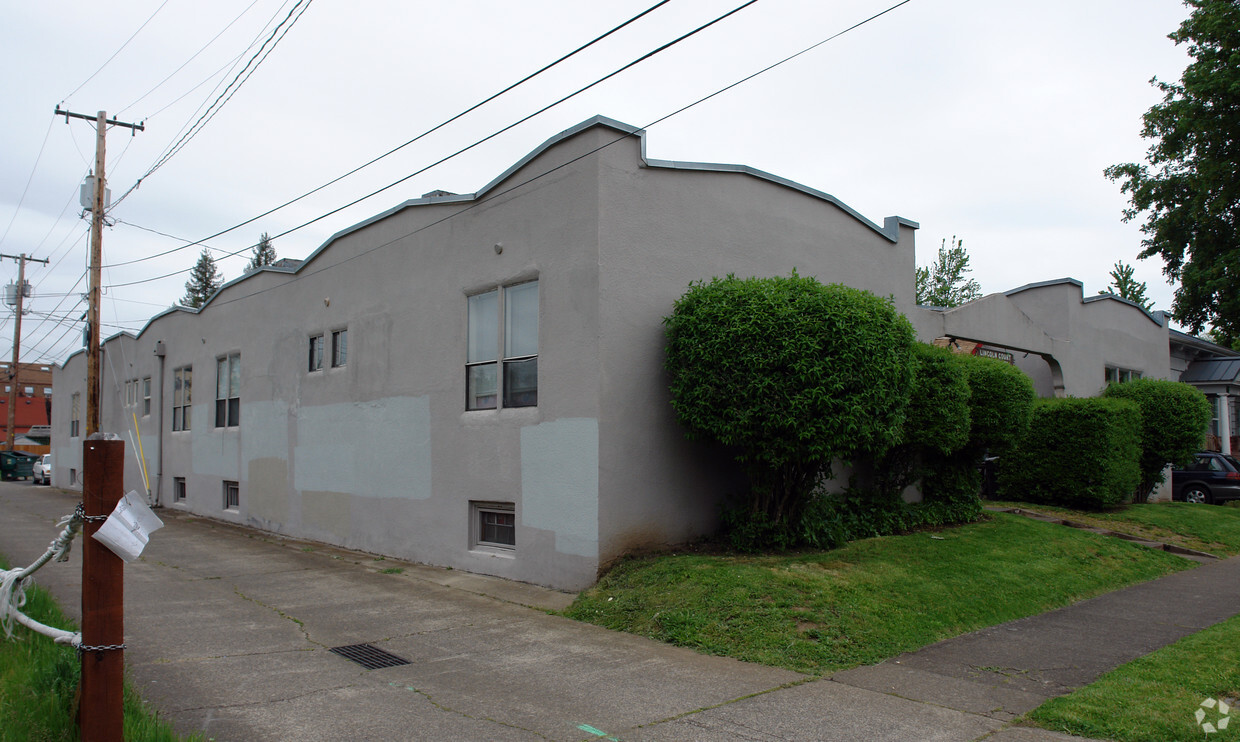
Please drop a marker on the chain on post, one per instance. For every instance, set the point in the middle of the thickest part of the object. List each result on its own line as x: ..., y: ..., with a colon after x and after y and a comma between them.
x: 83, y: 648
x: 81, y: 513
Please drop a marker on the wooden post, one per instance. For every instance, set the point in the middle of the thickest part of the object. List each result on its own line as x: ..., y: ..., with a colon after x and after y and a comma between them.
x: 96, y: 252
x: 103, y: 596
x: 14, y: 377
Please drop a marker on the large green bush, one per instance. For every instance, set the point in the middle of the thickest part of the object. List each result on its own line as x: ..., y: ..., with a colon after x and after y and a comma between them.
x: 790, y: 374
x: 1000, y: 399
x: 1174, y: 417
x: 936, y: 424
x: 1079, y: 453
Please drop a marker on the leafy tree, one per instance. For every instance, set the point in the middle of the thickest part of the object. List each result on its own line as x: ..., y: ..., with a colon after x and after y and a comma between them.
x: 1174, y: 417
x: 1127, y: 287
x: 203, y: 281
x: 944, y: 283
x: 1191, y: 185
x: 790, y: 375
x: 264, y: 254
x: 1218, y: 337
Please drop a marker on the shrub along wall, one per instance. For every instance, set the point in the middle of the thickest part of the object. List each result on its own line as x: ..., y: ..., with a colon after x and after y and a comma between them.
x: 1079, y: 453
x: 1174, y: 417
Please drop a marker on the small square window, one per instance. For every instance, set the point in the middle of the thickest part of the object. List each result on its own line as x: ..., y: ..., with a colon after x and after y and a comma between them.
x: 178, y: 489
x: 494, y: 525
x: 232, y: 495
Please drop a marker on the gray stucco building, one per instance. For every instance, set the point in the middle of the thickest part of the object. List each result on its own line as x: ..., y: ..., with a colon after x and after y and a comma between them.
x: 473, y: 381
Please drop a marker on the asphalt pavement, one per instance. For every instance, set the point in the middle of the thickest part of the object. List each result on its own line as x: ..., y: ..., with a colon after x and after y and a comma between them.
x: 230, y: 632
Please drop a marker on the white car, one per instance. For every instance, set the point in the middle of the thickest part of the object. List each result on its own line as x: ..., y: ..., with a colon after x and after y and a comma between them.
x: 41, y: 472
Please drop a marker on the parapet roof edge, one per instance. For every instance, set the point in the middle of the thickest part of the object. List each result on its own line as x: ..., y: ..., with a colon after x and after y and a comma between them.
x: 890, y: 229
x: 1090, y: 299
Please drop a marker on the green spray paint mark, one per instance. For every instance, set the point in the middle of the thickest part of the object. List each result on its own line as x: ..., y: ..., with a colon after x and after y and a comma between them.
x: 596, y: 732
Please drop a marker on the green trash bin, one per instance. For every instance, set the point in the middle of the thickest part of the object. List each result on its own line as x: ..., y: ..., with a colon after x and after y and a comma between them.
x: 16, y: 465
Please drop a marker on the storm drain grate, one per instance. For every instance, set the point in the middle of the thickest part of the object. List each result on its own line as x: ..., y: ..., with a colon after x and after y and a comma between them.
x: 369, y: 657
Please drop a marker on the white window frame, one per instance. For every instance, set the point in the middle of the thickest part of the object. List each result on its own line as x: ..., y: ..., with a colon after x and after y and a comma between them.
x: 146, y: 396
x: 495, y: 349
x: 232, y: 495
x: 228, y: 396
x: 479, y: 511
x: 178, y: 489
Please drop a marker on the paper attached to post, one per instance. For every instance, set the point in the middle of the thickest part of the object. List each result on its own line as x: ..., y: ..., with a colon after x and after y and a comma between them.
x: 129, y: 527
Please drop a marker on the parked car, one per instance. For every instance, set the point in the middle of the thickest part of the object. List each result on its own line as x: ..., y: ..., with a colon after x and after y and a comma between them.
x: 41, y: 472
x: 1211, y: 478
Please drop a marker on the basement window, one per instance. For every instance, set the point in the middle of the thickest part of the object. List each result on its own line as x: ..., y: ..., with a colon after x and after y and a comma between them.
x: 494, y: 526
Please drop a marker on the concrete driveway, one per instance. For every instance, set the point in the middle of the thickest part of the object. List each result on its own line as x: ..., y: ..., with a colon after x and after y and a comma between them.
x: 229, y: 633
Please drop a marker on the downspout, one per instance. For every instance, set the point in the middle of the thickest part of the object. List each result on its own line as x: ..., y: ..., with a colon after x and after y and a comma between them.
x: 160, y: 351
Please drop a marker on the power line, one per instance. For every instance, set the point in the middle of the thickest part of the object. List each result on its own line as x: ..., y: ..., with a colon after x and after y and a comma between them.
x: 30, y: 179
x: 522, y: 184
x: 248, y: 70
x: 461, y: 151
x: 172, y: 74
x: 118, y: 51
x: 396, y: 149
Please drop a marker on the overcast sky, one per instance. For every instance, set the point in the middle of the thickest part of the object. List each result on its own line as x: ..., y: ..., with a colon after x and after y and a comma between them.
x: 990, y: 121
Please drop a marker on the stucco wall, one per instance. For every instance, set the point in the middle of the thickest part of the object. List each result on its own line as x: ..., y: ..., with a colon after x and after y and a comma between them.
x: 1069, y: 338
x: 661, y: 229
x: 381, y: 455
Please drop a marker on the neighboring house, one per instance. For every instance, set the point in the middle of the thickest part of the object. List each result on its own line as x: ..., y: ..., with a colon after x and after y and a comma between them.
x: 29, y: 424
x: 473, y: 380
x: 1070, y: 344
x: 34, y: 379
x: 1214, y: 370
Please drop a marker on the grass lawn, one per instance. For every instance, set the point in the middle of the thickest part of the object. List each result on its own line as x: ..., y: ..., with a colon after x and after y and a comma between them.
x: 1154, y: 698
x: 39, y: 680
x: 1209, y: 528
x: 824, y: 611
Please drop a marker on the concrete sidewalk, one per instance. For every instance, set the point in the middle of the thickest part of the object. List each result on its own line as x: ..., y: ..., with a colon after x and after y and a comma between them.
x: 229, y: 632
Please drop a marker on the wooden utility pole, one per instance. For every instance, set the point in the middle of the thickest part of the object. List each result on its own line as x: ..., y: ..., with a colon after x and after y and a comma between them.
x: 14, y: 370
x: 103, y: 464
x: 96, y: 251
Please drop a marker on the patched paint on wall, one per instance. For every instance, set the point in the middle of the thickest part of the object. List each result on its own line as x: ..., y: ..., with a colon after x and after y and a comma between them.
x: 266, y: 494
x: 218, y: 451
x: 380, y: 448
x: 559, y: 482
x: 266, y: 429
x: 328, y: 513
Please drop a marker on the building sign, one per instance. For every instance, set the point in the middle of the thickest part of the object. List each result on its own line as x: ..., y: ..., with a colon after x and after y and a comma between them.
x: 998, y: 355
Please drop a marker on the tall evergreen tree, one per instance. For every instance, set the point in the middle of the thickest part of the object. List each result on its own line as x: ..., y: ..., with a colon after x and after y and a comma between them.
x: 1125, y: 286
x: 203, y: 281
x: 944, y: 283
x: 1190, y: 188
x: 264, y: 254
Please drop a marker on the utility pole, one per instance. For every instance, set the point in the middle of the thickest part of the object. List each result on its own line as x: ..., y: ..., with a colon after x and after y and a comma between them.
x: 14, y: 373
x: 103, y: 461
x: 96, y: 251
